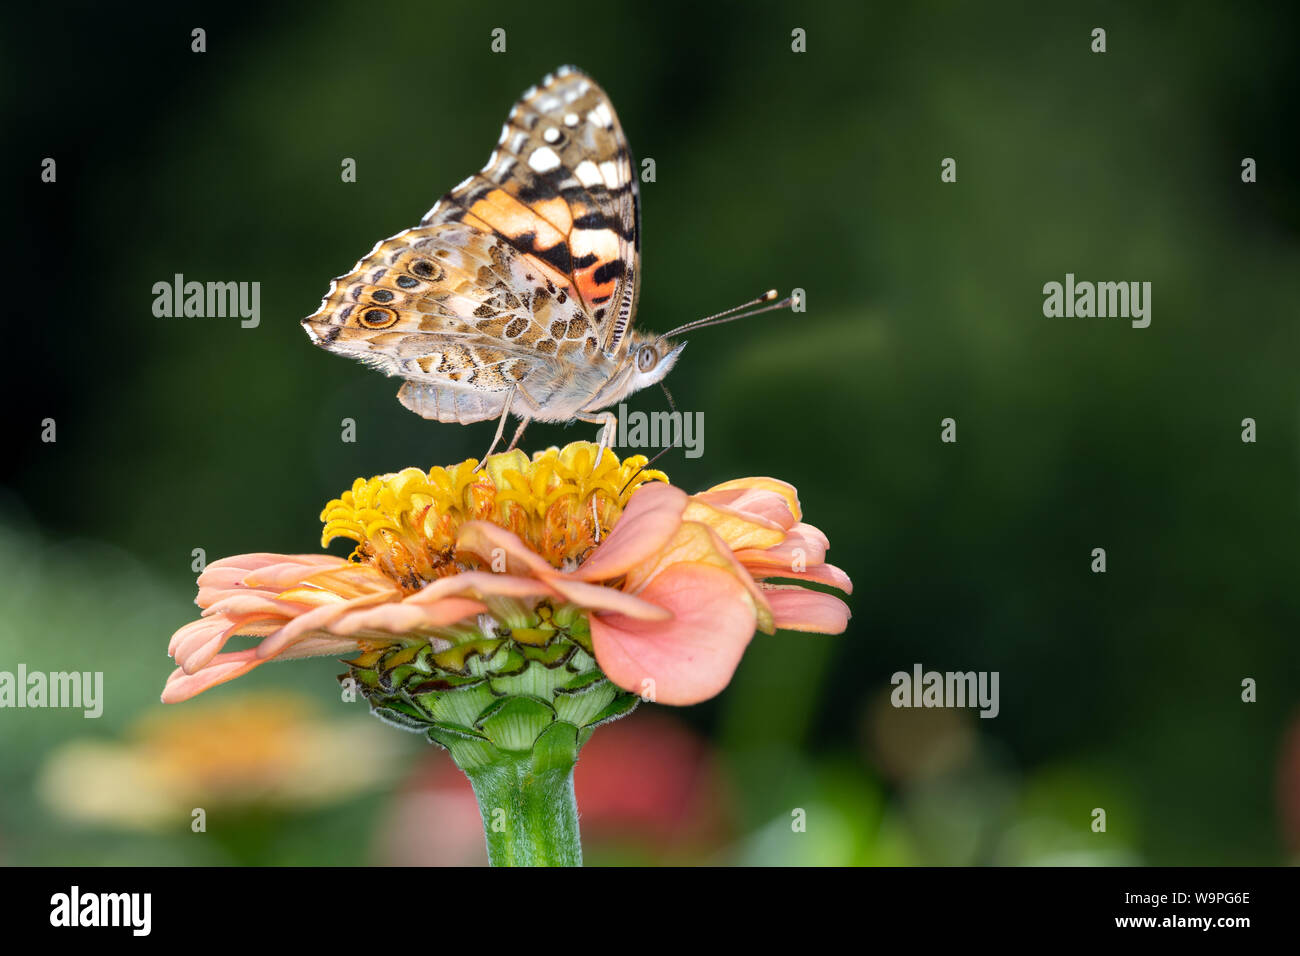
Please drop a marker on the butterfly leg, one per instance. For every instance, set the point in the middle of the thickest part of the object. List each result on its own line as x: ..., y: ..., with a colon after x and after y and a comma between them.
x: 501, y: 427
x: 519, y: 433
x: 608, y: 423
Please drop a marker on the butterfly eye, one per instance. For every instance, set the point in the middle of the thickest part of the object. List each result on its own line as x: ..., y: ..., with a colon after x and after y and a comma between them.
x: 378, y: 318
x: 646, y: 358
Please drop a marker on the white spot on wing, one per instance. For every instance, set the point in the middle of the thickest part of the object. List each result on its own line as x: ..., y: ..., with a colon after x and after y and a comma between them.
x: 551, y: 135
x: 588, y: 174
x: 544, y: 159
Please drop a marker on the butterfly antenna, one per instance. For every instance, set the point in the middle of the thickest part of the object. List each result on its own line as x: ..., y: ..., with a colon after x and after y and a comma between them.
x: 668, y: 395
x: 660, y: 454
x: 671, y: 404
x: 766, y: 303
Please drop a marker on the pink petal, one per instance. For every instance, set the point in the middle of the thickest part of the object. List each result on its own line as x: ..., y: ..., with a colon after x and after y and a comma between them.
x: 181, y: 686
x: 262, y: 559
x: 195, y: 632
x: 647, y: 524
x: 821, y: 573
x: 226, y: 667
x: 480, y: 584
x: 482, y: 539
x: 798, y: 609
x: 758, y: 496
x: 254, y: 605
x: 738, y: 529
x: 407, y: 617
x: 317, y: 619
x: 320, y: 647
x: 209, y: 596
x: 696, y: 542
x: 201, y: 645
x: 810, y: 533
x: 595, y: 597
x: 690, y: 658
x: 288, y: 574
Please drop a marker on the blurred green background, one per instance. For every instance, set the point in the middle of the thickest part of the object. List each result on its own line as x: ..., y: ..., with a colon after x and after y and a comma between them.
x: 818, y: 170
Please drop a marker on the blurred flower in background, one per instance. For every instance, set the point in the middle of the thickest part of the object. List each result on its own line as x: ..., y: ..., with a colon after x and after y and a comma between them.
x: 240, y: 755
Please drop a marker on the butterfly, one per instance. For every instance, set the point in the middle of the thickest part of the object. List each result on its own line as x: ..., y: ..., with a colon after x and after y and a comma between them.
x: 518, y: 290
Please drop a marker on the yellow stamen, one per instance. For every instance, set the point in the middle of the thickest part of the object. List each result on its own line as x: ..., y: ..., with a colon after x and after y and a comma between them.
x: 405, y: 524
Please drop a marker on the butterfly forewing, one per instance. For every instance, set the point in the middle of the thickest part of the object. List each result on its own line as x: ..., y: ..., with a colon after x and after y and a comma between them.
x: 559, y: 188
x: 524, y: 275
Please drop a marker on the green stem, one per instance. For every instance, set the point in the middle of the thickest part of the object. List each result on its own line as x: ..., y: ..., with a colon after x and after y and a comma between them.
x: 530, y: 815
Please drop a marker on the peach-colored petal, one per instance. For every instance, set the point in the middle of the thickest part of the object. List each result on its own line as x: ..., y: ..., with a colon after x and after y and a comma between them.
x: 737, y: 529
x: 286, y: 574
x: 483, y: 540
x: 695, y: 542
x: 222, y: 579
x: 323, y: 647
x: 821, y: 573
x: 407, y: 617
x: 647, y: 524
x: 798, y: 609
x: 181, y: 686
x: 210, y: 595
x: 254, y: 605
x: 809, y: 532
x: 226, y: 667
x: 595, y: 598
x: 690, y: 658
x: 262, y: 559
x: 199, y: 647
x: 755, y: 494
x: 480, y: 584
x: 352, y: 580
x: 195, y: 633
x: 317, y: 619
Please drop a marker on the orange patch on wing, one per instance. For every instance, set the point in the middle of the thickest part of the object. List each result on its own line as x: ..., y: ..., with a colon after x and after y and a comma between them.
x: 545, y: 268
x: 508, y: 216
x: 556, y: 211
x: 604, y: 245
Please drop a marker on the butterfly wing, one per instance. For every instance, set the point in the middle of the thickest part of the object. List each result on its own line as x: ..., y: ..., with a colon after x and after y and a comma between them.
x: 457, y: 312
x: 559, y: 188
x: 525, y: 273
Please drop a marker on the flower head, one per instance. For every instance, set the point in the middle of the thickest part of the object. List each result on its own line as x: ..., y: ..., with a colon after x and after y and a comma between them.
x: 488, y: 604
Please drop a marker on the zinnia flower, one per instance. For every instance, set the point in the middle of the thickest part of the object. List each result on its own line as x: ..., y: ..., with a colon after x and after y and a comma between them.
x: 241, y: 755
x: 457, y: 570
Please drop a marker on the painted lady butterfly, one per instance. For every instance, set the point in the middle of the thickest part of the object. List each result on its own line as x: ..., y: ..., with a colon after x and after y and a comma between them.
x: 517, y: 291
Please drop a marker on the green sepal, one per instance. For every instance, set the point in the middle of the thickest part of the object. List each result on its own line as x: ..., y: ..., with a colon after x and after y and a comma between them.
x: 514, y: 723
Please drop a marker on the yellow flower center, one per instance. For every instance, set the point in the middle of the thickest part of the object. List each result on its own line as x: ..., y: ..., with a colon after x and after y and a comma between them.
x: 406, y: 523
